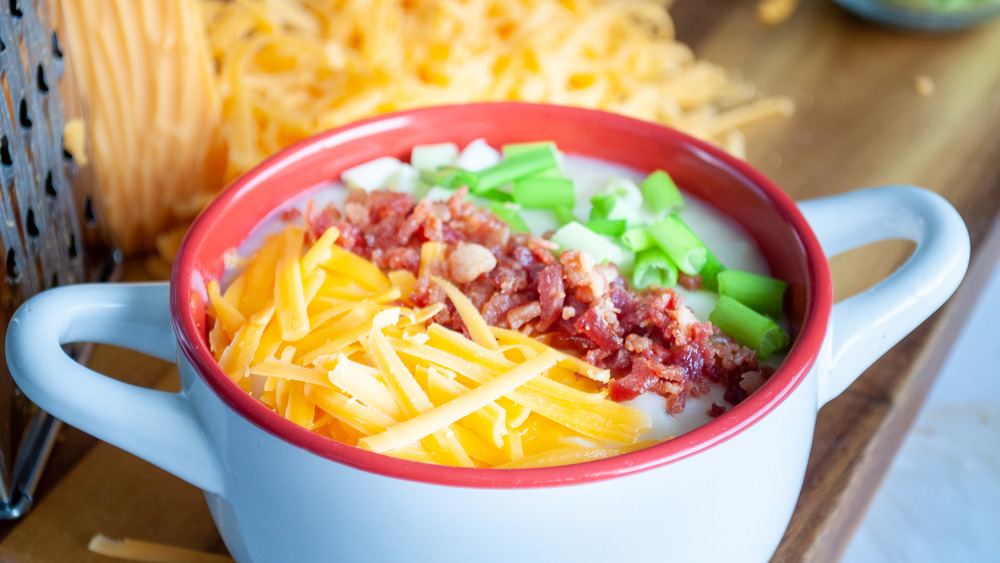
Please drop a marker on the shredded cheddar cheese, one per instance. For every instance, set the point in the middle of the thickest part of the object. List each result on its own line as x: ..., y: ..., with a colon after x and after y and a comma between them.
x: 290, y: 68
x: 129, y: 549
x: 360, y: 365
x: 182, y: 97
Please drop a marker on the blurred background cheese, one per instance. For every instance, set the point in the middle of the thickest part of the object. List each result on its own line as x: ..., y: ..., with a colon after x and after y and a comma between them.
x: 186, y: 96
x: 153, y: 120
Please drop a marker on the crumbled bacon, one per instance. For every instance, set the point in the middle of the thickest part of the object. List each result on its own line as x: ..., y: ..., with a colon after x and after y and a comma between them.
x: 650, y: 341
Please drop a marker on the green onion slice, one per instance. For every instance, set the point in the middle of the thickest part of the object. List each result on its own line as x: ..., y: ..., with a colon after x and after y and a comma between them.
x: 761, y: 293
x: 653, y: 267
x: 680, y: 243
x: 637, y: 238
x: 661, y: 193
x: 449, y: 177
x: 575, y: 236
x: 544, y: 193
x: 710, y: 272
x: 610, y: 227
x: 564, y: 215
x: 611, y: 205
x: 748, y: 327
x: 517, y: 166
x: 508, y: 213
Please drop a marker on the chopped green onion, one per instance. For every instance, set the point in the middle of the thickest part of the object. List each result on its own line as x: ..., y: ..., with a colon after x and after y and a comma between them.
x: 761, y: 293
x: 514, y: 149
x: 637, y: 238
x: 661, y: 193
x: 610, y: 227
x: 710, y: 272
x: 602, y: 204
x: 496, y: 195
x: 507, y: 212
x: 574, y: 236
x: 748, y: 327
x: 680, y: 243
x: 564, y: 215
x: 653, y: 267
x: 544, y: 193
x: 517, y: 166
x: 611, y: 205
x: 626, y: 189
x: 449, y: 177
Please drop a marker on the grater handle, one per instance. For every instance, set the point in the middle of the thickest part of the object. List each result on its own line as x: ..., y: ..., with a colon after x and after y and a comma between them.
x: 158, y: 426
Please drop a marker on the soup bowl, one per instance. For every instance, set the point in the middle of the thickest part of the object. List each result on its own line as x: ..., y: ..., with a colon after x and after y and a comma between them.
x: 724, y: 491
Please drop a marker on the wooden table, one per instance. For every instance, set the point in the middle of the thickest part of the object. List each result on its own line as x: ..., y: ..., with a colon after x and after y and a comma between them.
x: 859, y: 122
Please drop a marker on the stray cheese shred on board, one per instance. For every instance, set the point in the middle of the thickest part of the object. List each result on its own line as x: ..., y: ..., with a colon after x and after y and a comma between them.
x: 129, y: 549
x: 326, y: 339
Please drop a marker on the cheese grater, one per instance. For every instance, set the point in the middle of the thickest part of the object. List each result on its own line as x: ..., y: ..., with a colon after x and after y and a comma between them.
x: 51, y: 232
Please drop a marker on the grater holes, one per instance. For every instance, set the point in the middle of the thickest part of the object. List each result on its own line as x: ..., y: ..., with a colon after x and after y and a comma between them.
x: 5, y: 157
x: 23, y: 116
x: 50, y: 186
x: 56, y: 50
x: 88, y: 212
x: 54, y: 280
x: 13, y: 270
x: 15, y: 9
x: 31, y: 227
x: 73, y: 250
x: 43, y: 86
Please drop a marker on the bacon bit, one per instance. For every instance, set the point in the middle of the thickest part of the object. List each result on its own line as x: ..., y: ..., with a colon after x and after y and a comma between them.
x: 290, y: 215
x: 597, y: 325
x: 357, y: 214
x: 641, y: 379
x: 637, y: 344
x: 519, y: 316
x: 716, y: 411
x: 580, y: 272
x: 317, y: 221
x: 751, y: 381
x: 551, y: 295
x: 688, y: 282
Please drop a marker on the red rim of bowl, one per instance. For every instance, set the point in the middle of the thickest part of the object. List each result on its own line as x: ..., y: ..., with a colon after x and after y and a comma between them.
x: 195, y: 264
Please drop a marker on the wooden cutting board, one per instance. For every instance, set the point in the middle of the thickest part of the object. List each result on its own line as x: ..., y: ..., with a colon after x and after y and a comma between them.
x: 859, y: 122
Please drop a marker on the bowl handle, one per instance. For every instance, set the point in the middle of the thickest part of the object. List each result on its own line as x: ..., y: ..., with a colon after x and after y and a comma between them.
x: 866, y: 325
x: 157, y: 426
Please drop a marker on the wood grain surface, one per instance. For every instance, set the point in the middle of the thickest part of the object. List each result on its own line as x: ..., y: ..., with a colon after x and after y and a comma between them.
x: 859, y: 122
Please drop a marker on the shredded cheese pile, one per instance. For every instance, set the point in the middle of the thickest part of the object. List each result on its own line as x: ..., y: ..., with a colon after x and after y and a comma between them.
x: 327, y: 340
x: 183, y: 97
x: 290, y: 68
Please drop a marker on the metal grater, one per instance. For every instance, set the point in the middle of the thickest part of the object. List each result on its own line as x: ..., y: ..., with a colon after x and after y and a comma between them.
x: 50, y: 232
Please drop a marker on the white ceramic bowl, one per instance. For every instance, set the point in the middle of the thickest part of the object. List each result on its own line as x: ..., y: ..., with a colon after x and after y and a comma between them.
x: 722, y: 492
